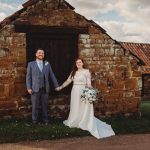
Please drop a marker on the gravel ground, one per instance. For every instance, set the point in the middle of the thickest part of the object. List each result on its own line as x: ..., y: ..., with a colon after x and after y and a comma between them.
x: 120, y: 142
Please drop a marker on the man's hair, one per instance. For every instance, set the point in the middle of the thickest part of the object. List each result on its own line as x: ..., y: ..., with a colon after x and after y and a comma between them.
x: 39, y: 49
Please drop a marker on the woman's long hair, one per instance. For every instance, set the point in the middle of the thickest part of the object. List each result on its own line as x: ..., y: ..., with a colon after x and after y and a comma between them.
x: 75, y: 67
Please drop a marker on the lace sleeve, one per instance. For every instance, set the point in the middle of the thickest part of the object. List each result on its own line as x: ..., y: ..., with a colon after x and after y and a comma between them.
x: 67, y: 82
x: 88, y: 78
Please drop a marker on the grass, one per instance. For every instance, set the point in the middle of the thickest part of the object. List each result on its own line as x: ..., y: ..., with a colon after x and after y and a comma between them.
x: 133, y: 124
x: 22, y: 130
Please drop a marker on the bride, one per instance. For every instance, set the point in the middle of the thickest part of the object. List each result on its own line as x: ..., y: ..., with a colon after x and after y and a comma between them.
x: 82, y: 114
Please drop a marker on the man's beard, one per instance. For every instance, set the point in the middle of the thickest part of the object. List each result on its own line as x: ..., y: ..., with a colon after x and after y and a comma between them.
x: 40, y: 58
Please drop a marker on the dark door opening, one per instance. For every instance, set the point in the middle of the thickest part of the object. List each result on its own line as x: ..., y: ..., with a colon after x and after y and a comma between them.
x: 60, y: 51
x: 145, y: 86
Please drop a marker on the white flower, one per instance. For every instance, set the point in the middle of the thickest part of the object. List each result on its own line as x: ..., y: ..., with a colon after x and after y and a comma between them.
x: 89, y: 94
x: 46, y: 63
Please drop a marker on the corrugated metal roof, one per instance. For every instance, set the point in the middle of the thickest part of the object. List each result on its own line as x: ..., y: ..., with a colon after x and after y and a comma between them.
x: 140, y: 50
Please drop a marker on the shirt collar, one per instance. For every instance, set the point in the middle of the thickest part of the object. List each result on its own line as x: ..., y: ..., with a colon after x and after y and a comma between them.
x: 39, y: 61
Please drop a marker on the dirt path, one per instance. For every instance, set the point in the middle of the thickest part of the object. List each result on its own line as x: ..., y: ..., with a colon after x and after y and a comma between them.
x: 123, y: 142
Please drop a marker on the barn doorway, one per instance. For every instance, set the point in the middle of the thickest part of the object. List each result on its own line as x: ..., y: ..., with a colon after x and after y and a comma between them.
x: 60, y: 50
x: 59, y: 43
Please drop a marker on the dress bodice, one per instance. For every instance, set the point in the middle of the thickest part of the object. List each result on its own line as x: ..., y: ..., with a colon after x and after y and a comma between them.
x: 82, y: 77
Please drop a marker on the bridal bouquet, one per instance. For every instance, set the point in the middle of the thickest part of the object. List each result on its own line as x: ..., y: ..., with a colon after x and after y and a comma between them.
x: 89, y: 94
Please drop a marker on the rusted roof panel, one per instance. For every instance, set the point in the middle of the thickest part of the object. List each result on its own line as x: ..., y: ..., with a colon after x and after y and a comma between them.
x: 141, y: 50
x: 146, y: 70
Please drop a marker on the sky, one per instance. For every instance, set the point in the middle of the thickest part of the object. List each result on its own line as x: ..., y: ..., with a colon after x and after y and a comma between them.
x: 123, y: 20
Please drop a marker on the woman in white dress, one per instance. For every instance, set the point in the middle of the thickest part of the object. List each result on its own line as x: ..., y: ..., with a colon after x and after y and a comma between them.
x: 82, y: 114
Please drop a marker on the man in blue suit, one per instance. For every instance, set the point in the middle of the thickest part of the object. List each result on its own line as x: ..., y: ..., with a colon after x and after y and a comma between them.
x: 37, y: 82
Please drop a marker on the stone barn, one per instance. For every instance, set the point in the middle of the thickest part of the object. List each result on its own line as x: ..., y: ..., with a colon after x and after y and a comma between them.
x: 142, y: 51
x: 64, y: 35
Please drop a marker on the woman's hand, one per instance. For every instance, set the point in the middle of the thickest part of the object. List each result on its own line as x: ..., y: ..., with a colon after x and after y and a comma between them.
x: 59, y: 88
x: 89, y: 86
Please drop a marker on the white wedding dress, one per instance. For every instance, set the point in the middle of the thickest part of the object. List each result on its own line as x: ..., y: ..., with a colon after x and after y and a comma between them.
x: 82, y: 114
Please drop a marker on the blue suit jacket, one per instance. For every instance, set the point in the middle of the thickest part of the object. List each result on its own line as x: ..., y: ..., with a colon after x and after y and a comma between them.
x: 32, y: 76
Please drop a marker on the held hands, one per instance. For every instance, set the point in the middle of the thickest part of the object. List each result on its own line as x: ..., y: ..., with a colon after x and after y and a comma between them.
x: 56, y: 89
x: 59, y: 88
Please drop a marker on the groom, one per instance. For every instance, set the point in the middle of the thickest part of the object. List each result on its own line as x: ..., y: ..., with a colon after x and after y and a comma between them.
x: 37, y: 82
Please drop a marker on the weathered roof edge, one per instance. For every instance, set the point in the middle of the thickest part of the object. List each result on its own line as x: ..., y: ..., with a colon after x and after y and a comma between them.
x: 139, y: 50
x: 119, y: 42
x: 9, y: 19
x: 97, y: 26
x: 31, y: 2
x: 69, y: 5
x: 135, y: 44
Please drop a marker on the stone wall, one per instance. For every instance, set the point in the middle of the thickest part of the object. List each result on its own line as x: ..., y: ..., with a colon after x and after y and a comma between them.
x: 12, y: 69
x: 114, y: 71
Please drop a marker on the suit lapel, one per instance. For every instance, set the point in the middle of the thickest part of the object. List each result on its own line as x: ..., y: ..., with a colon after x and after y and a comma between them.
x: 44, y: 67
x: 36, y: 65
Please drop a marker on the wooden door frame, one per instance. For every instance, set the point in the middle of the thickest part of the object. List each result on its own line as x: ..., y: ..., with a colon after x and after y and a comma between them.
x: 21, y: 28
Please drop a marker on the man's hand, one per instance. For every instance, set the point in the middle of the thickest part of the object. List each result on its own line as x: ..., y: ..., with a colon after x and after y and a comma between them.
x: 30, y: 91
